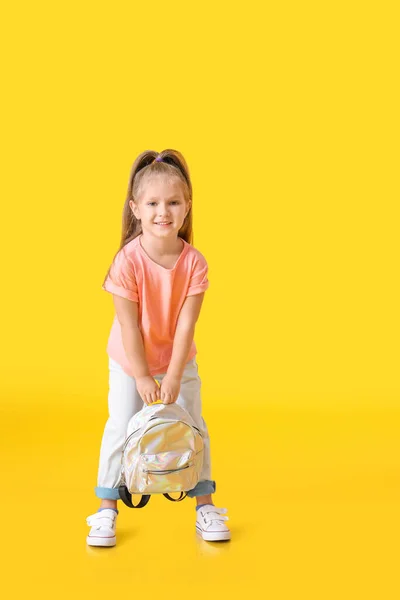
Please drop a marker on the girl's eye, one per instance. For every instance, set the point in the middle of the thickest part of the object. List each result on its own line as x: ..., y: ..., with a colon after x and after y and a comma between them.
x: 152, y: 203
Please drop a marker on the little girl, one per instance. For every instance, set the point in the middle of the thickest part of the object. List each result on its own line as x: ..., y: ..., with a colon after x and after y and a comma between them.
x: 157, y: 280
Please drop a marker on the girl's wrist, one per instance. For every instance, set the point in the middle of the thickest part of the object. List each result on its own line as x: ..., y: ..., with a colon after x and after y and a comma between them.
x: 174, y: 375
x: 142, y: 375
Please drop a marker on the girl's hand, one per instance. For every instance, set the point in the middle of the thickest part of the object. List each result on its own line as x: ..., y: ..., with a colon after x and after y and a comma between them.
x: 148, y: 389
x: 170, y: 387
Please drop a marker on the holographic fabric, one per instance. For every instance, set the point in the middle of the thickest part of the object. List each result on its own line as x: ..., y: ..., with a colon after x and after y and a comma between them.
x: 163, y: 452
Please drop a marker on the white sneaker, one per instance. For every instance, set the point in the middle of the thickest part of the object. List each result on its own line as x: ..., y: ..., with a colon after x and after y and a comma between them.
x: 103, y: 525
x: 210, y: 524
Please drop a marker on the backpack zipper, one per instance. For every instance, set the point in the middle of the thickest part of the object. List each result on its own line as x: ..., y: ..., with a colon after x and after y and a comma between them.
x: 151, y: 418
x: 167, y: 470
x: 173, y: 420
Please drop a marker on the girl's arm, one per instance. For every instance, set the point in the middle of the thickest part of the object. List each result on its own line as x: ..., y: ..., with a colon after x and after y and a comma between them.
x: 127, y: 314
x: 184, y: 334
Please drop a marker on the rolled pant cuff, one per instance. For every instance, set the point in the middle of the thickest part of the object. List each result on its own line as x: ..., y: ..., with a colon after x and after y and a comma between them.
x: 107, y: 493
x: 203, y: 488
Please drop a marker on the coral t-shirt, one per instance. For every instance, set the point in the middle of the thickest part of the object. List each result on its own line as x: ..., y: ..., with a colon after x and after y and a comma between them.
x: 160, y: 293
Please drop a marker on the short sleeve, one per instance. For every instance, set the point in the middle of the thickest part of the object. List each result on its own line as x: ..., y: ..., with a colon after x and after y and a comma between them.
x: 121, y: 278
x: 199, y: 278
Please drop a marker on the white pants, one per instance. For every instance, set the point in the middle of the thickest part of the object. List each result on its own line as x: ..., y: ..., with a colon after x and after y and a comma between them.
x: 123, y: 402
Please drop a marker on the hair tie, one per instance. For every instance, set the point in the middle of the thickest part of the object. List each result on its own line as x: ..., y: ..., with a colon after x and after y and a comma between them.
x: 158, y: 159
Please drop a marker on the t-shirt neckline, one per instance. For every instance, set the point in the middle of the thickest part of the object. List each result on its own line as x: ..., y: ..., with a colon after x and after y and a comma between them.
x: 143, y: 251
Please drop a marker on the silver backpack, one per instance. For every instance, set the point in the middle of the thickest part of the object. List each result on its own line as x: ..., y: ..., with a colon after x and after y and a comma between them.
x: 162, y: 454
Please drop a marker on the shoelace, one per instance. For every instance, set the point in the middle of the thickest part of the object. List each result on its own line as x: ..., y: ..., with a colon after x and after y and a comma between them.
x: 217, y: 512
x: 98, y: 520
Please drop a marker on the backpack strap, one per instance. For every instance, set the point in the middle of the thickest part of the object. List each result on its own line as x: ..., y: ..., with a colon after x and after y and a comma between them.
x: 126, y: 498
x: 181, y: 497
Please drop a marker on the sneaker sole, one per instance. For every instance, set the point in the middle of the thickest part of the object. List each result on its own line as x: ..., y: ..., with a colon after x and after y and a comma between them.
x: 101, y: 541
x: 216, y: 536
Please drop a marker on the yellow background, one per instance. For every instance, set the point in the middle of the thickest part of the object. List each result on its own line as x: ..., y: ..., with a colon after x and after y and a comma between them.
x: 287, y: 113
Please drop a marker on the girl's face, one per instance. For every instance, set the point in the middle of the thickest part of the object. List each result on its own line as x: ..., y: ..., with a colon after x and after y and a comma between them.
x: 161, y: 206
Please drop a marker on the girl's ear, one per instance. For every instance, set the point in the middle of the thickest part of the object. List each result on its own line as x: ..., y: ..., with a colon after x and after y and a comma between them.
x: 134, y: 208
